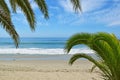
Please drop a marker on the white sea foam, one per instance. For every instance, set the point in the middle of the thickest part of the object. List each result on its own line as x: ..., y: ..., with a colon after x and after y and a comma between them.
x: 42, y: 51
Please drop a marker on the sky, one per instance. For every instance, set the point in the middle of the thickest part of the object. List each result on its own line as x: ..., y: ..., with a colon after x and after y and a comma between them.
x: 96, y: 16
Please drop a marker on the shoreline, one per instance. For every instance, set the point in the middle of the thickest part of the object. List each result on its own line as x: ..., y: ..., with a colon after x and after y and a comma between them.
x: 43, y: 51
x: 18, y: 57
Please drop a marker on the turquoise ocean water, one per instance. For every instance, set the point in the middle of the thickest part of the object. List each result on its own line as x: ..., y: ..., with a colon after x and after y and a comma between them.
x: 37, y: 49
x: 34, y: 43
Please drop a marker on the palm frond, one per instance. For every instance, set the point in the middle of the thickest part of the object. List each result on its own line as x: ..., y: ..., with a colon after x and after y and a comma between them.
x: 99, y: 65
x: 93, y: 67
x: 43, y: 7
x: 83, y: 38
x: 9, y: 27
x: 110, y: 39
x: 106, y: 47
x: 4, y: 7
x: 81, y: 55
x: 76, y: 5
x: 13, y: 5
x: 27, y: 10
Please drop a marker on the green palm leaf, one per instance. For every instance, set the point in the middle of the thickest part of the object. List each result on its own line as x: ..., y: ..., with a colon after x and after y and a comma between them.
x: 4, y: 7
x: 77, y: 39
x: 43, y: 7
x: 27, y: 10
x: 81, y: 55
x: 13, y: 5
x: 106, y: 47
x: 9, y: 27
x: 76, y: 5
x: 101, y: 66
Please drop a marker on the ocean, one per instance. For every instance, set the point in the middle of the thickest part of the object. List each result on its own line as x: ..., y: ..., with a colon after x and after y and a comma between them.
x: 32, y: 47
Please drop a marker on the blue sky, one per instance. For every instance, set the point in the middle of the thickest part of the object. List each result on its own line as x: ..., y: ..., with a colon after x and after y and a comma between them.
x: 96, y: 16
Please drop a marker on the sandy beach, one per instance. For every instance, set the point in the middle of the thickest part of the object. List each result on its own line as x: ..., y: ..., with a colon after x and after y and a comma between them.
x: 47, y: 70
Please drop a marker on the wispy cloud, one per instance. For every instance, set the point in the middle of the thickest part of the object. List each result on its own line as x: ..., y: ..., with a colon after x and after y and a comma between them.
x: 34, y: 6
x: 108, y: 15
x: 101, y: 11
x: 67, y: 5
x: 115, y: 23
x: 92, y: 5
x: 87, y: 5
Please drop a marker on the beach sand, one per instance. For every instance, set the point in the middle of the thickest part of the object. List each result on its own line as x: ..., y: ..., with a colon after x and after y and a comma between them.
x: 47, y: 70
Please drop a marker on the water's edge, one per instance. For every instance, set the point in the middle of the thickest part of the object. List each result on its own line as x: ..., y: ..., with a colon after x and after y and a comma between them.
x: 14, y: 57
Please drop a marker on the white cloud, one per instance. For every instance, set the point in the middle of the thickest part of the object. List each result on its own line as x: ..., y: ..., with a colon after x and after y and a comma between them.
x: 101, y: 11
x: 42, y: 24
x: 115, y: 23
x: 91, y: 5
x: 34, y: 6
x: 87, y: 5
x: 67, y: 5
x: 110, y: 16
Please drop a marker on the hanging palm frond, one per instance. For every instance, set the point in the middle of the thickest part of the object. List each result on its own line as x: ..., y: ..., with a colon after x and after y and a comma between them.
x: 8, y: 26
x: 106, y: 47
